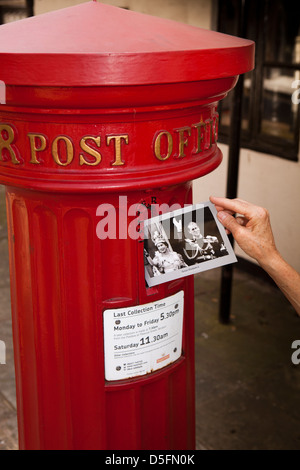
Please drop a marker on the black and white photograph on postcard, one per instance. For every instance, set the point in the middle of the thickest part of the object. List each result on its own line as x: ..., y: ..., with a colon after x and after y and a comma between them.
x: 184, y: 242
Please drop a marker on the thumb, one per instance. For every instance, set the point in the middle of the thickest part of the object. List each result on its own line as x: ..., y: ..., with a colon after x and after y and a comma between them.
x: 229, y: 222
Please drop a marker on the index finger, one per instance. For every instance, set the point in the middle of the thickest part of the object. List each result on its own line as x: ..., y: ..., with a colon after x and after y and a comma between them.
x: 235, y: 205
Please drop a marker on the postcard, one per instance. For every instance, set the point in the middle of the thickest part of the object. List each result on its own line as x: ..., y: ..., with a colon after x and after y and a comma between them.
x: 185, y: 242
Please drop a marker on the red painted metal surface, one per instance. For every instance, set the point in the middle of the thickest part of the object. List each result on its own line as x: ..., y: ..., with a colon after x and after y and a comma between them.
x: 63, y: 278
x: 97, y: 44
x: 126, y: 108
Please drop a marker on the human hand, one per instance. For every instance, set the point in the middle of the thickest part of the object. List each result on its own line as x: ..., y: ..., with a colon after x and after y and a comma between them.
x: 251, y: 228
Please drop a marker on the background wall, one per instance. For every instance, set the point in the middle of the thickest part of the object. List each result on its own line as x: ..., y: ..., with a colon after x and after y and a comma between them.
x: 268, y: 181
x: 194, y: 12
x: 264, y: 179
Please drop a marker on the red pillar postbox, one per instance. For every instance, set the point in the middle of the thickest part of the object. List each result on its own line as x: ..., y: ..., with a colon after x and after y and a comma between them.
x: 102, y: 105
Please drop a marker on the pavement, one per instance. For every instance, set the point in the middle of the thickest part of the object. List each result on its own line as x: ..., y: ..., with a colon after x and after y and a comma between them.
x: 247, y: 387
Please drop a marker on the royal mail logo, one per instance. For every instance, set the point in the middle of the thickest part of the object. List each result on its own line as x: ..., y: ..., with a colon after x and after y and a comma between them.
x: 161, y: 359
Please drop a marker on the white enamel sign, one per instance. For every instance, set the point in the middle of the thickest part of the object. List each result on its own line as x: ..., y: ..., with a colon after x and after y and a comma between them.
x: 142, y: 339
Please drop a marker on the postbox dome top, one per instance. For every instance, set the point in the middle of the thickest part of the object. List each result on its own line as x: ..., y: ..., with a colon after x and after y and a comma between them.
x: 96, y: 44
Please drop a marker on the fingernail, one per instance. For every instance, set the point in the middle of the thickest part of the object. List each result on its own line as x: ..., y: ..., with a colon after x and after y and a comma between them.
x: 221, y: 215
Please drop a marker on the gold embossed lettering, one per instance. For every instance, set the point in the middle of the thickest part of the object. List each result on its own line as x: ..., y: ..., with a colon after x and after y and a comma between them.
x: 90, y: 150
x: 69, y: 150
x: 209, y: 124
x: 183, y: 139
x: 7, y: 138
x: 199, y: 136
x: 38, y: 143
x: 215, y: 127
x: 158, y: 152
x: 118, y: 141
